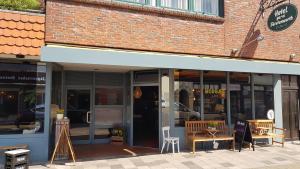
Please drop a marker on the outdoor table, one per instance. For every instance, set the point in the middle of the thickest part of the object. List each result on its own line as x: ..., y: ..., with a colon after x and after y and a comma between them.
x: 212, y: 132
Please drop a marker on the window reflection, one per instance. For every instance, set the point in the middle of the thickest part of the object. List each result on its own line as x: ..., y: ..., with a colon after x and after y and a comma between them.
x: 215, y: 95
x: 263, y: 95
x: 109, y: 96
x: 187, y: 96
x: 240, y: 97
x: 22, y: 98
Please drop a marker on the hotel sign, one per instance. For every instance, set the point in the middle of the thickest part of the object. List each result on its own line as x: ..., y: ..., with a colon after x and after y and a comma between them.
x: 282, y: 17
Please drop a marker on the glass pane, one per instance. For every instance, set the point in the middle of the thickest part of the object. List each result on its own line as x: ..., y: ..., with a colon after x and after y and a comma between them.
x: 146, y: 77
x: 101, y: 133
x: 240, y: 97
x: 112, y: 116
x: 215, y: 107
x: 177, y: 4
x: 263, y: 95
x: 109, y: 96
x: 78, y: 109
x: 187, y: 96
x: 22, y: 98
x: 207, y: 6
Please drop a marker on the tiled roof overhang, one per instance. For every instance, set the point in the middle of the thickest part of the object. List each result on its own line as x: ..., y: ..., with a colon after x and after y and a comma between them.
x: 21, y: 33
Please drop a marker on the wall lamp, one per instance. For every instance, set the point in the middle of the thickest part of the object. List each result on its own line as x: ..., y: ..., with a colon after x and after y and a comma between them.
x: 259, y: 38
x: 293, y: 56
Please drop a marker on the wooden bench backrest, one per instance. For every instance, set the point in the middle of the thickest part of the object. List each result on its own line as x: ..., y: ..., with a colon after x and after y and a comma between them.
x: 200, y: 126
x: 261, y: 123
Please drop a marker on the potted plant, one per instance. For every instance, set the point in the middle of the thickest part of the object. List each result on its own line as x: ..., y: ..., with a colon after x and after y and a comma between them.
x: 118, y: 135
x: 212, y: 125
x: 60, y: 114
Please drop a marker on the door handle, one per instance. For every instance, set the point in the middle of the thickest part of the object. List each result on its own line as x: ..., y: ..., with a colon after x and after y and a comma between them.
x: 88, y: 117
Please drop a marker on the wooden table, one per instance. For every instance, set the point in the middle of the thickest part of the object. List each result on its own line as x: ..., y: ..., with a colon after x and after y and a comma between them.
x: 212, y: 132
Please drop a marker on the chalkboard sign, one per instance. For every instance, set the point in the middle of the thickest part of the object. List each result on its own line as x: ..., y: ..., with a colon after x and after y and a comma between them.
x: 242, y: 133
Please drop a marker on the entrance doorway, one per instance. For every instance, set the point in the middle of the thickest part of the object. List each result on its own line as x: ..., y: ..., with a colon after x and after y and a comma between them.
x: 291, y: 114
x: 78, y: 111
x: 145, y: 117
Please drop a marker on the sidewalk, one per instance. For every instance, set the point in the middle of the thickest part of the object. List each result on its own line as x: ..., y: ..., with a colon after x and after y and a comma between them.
x: 265, y: 157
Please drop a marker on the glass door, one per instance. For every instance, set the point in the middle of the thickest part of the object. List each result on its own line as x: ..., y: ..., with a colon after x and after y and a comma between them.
x: 79, y: 113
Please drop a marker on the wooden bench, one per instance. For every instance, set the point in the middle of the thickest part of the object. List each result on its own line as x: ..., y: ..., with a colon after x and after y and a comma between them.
x: 265, y: 129
x: 19, y: 146
x: 196, y: 131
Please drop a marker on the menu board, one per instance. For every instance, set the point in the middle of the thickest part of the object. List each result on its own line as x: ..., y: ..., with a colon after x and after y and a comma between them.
x: 242, y: 133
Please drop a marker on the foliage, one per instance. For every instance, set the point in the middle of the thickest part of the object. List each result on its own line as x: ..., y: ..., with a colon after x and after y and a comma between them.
x: 60, y: 111
x: 19, y: 4
x: 212, y: 124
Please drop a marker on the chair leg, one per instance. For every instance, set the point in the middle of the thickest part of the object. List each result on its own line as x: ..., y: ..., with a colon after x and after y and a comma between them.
x: 178, y: 147
x: 168, y: 146
x: 163, y: 146
x: 173, y: 146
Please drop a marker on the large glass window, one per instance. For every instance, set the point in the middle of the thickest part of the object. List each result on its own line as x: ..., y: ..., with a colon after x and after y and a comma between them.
x: 22, y: 98
x: 263, y: 95
x: 187, y: 96
x: 240, y: 96
x: 215, y: 107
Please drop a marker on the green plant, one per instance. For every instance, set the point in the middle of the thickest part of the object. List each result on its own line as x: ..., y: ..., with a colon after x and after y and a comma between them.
x: 19, y: 4
x: 212, y: 124
x: 60, y: 111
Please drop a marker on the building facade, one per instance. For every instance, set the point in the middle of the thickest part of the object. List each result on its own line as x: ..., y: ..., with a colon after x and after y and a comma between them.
x: 145, y: 64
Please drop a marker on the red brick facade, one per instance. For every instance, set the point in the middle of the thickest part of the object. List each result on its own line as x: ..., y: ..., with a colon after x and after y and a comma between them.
x: 103, y: 23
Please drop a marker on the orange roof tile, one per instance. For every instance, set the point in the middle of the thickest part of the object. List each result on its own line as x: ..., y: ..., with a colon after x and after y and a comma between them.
x: 21, y: 33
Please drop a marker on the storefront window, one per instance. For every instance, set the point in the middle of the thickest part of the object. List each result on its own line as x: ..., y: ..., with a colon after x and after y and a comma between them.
x: 240, y: 97
x: 214, y: 84
x: 22, y: 98
x: 187, y: 96
x: 263, y: 95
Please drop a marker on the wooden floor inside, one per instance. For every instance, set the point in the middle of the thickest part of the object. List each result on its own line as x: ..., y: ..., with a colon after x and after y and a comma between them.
x: 104, y: 151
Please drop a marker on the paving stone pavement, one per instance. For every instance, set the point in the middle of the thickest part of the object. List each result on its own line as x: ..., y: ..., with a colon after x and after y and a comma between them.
x: 265, y: 157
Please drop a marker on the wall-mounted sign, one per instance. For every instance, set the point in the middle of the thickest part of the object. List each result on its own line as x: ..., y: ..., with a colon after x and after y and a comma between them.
x: 22, y: 77
x: 282, y: 17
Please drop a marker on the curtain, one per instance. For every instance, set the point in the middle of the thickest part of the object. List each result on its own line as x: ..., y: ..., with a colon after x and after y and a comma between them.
x: 207, y: 6
x: 177, y: 4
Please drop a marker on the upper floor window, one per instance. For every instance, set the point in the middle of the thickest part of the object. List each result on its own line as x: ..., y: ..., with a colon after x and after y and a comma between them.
x: 208, y: 7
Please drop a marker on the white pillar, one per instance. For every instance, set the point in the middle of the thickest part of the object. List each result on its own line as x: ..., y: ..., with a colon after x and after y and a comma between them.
x: 278, y: 101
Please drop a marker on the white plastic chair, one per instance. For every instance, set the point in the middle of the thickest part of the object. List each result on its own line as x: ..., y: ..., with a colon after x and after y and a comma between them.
x: 167, y: 140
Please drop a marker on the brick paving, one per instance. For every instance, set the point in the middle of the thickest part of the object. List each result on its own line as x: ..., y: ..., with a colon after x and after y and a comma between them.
x: 265, y: 157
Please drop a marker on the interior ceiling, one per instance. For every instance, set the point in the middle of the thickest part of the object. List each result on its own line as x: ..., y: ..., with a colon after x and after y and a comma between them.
x: 100, y: 68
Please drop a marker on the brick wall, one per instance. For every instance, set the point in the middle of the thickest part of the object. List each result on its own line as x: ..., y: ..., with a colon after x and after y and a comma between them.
x: 108, y: 24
